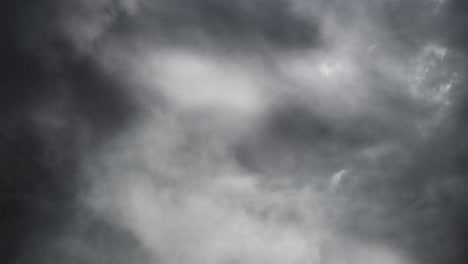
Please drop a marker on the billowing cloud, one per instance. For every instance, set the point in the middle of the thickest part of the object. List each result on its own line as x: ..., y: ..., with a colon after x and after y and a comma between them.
x: 183, y: 131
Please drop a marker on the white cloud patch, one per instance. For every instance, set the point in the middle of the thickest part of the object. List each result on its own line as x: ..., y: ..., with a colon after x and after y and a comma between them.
x: 196, y: 81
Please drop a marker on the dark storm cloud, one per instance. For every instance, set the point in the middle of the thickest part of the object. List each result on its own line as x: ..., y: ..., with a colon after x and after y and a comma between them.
x: 54, y: 104
x: 234, y: 24
x: 407, y: 181
x: 374, y: 135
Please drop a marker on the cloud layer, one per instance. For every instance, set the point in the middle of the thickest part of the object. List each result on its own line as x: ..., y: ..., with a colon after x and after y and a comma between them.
x: 139, y: 131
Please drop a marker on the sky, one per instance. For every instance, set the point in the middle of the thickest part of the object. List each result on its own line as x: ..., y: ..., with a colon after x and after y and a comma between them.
x: 233, y: 132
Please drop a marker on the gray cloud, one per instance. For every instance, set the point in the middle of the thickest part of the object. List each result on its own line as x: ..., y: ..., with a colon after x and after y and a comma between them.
x: 233, y: 131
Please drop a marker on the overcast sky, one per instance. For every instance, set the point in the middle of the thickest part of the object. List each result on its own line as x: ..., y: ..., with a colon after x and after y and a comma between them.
x: 233, y: 131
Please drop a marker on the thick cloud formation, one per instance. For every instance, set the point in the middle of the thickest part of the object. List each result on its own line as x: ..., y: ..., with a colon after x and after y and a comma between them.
x: 56, y: 103
x: 183, y: 131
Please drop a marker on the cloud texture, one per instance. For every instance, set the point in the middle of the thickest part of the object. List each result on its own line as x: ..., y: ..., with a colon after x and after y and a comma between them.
x: 203, y: 131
